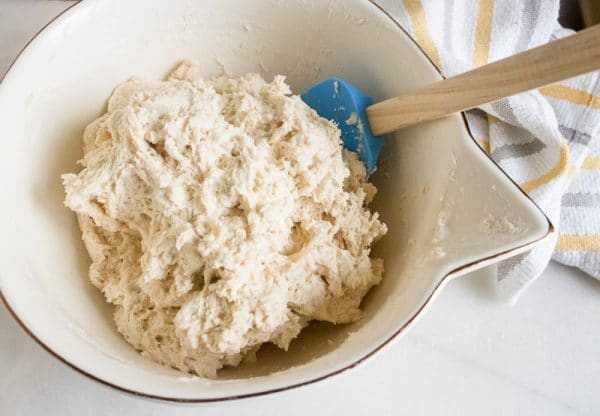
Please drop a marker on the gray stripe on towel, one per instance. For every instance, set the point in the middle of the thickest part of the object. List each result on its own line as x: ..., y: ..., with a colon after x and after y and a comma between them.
x: 530, y: 14
x: 574, y: 136
x: 507, y: 266
x: 580, y: 200
x: 517, y: 150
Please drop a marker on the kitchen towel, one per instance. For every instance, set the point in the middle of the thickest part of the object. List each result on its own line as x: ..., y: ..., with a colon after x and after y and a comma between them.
x: 546, y: 140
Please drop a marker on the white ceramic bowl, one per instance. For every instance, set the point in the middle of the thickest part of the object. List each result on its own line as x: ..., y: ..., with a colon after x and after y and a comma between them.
x: 448, y: 207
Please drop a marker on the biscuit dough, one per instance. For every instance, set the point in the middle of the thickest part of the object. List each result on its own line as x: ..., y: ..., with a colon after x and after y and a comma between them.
x: 220, y: 214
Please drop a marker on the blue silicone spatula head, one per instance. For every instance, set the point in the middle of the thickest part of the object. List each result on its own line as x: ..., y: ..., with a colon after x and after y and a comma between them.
x: 343, y: 103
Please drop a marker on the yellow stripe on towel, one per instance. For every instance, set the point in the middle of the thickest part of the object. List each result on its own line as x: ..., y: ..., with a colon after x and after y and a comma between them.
x: 483, y: 32
x: 492, y: 120
x: 573, y: 242
x: 591, y: 163
x: 572, y: 95
x: 419, y: 24
x: 562, y: 166
x: 483, y: 143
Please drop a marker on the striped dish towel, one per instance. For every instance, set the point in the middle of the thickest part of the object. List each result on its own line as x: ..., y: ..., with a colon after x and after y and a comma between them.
x: 547, y: 140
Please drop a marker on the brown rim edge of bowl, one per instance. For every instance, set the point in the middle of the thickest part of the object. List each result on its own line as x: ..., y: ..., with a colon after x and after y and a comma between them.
x: 456, y: 272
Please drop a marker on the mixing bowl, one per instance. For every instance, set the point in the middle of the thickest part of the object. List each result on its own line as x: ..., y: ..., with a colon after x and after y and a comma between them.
x: 449, y: 208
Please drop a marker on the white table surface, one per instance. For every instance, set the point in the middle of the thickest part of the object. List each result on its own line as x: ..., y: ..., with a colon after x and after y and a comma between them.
x: 469, y: 354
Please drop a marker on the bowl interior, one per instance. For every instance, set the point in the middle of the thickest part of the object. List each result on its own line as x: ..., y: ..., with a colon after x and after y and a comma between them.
x: 445, y: 203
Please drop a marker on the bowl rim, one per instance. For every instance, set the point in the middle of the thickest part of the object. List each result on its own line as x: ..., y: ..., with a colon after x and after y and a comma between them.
x: 474, y: 265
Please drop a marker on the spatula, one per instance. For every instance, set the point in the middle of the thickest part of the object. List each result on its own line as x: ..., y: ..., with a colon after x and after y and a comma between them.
x: 363, y: 123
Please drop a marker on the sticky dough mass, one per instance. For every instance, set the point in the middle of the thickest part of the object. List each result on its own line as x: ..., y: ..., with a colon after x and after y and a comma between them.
x: 220, y: 214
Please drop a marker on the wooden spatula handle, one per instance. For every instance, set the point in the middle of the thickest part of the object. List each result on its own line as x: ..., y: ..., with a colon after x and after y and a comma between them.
x: 565, y: 58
